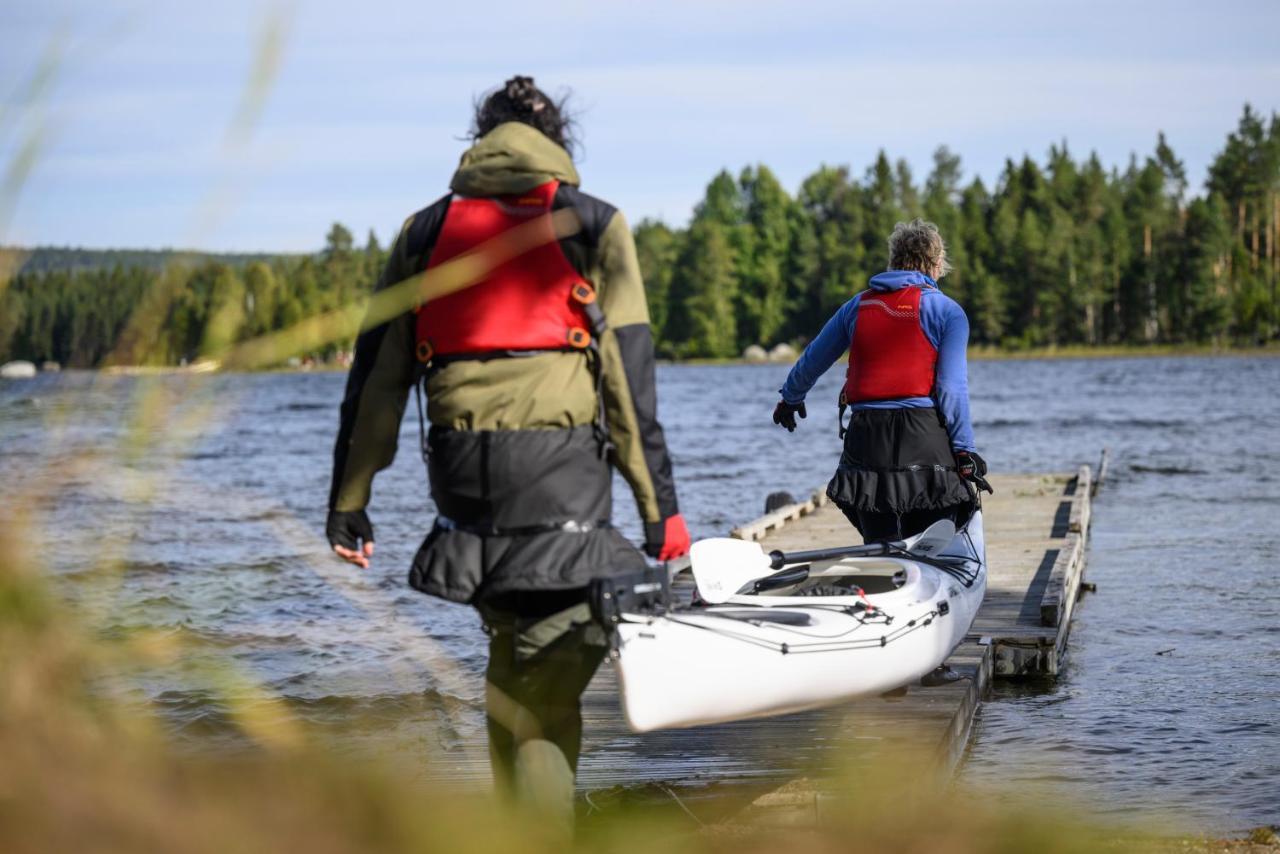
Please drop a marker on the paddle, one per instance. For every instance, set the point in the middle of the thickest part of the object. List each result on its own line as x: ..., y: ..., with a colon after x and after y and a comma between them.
x: 722, y: 566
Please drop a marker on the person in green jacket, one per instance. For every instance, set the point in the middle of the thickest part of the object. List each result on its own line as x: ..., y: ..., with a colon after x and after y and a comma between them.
x: 539, y: 380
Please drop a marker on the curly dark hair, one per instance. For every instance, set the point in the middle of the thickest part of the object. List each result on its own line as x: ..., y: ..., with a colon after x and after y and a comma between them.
x: 519, y: 100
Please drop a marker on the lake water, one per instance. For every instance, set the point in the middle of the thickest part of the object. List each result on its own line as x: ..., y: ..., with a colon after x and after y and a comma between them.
x: 193, y: 507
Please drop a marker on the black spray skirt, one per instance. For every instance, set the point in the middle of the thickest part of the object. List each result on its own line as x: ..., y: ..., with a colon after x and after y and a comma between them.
x: 520, y: 510
x: 896, y: 461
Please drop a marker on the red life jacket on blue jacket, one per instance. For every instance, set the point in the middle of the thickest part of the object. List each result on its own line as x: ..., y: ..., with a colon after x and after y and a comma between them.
x: 534, y: 301
x: 890, y: 357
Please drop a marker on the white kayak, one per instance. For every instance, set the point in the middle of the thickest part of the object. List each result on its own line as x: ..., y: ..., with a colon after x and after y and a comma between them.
x: 833, y: 630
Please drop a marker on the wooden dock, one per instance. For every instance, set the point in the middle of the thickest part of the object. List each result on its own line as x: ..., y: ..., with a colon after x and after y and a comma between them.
x: 1037, y: 530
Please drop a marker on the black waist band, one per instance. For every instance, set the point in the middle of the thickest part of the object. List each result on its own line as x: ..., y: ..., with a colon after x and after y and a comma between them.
x: 572, y: 526
x: 856, y: 466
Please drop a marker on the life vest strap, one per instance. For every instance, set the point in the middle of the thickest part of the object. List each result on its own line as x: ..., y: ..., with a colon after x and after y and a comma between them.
x: 585, y: 295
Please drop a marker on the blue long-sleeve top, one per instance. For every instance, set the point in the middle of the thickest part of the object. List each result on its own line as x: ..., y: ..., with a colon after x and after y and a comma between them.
x: 944, y: 324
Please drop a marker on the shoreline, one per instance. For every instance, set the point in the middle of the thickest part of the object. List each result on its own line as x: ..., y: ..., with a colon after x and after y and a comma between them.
x: 994, y: 354
x: 975, y: 354
x: 1154, y: 351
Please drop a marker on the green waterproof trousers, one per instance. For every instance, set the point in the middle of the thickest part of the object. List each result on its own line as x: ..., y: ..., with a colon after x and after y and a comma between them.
x: 543, y: 650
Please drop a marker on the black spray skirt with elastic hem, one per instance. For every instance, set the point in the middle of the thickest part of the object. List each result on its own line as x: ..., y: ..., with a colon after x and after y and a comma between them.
x: 462, y: 566
x: 897, y: 461
x: 520, y: 510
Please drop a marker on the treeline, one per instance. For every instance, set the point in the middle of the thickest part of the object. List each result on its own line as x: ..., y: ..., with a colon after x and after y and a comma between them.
x: 81, y: 318
x: 1067, y: 252
x: 1062, y: 253
x: 44, y: 259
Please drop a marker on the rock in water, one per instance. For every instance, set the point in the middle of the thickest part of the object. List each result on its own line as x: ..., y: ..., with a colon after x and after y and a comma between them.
x: 17, y: 370
x: 782, y: 353
x: 755, y: 353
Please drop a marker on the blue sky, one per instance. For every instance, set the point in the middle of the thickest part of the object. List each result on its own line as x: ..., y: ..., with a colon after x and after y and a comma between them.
x: 364, y: 120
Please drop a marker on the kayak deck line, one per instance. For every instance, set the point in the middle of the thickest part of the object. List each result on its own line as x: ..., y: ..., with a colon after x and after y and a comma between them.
x: 1037, y: 535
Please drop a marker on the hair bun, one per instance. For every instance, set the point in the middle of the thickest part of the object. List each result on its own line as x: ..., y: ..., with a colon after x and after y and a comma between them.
x: 520, y: 100
x: 522, y: 91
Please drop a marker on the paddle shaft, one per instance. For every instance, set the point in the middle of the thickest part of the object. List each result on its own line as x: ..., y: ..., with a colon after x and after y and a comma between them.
x: 779, y: 559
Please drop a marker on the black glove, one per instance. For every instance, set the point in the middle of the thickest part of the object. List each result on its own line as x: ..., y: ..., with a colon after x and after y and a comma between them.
x: 345, y: 527
x: 970, y: 466
x: 785, y: 414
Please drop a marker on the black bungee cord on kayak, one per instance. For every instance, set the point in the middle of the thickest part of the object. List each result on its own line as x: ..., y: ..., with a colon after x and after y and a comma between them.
x: 787, y: 648
x: 956, y: 567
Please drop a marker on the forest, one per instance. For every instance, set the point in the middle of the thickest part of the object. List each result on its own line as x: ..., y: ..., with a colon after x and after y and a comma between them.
x: 1064, y: 252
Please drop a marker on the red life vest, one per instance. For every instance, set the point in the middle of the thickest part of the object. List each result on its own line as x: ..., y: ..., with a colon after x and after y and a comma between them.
x: 890, y: 357
x: 535, y: 301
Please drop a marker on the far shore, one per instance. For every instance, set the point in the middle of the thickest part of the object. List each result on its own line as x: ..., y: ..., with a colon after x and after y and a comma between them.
x: 977, y: 354
x: 984, y: 354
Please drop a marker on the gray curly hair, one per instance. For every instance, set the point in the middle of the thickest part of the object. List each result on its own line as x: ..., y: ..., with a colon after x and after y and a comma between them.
x: 917, y: 245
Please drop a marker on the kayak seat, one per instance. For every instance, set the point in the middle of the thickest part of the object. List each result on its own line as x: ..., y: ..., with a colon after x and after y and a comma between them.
x: 765, y: 615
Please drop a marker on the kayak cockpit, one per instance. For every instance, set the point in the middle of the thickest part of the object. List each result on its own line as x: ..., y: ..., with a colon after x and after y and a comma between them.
x: 847, y: 577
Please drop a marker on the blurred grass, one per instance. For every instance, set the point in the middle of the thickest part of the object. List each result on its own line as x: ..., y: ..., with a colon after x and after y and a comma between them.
x: 83, y: 772
x: 29, y: 101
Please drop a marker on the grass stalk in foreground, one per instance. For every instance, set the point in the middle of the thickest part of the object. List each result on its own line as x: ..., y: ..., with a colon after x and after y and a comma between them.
x: 84, y: 772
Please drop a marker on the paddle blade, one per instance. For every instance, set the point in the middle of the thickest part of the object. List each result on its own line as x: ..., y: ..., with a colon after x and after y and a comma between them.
x: 722, y: 566
x: 932, y: 540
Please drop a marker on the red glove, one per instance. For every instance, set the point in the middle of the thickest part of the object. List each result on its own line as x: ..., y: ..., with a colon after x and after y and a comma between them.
x: 669, y: 539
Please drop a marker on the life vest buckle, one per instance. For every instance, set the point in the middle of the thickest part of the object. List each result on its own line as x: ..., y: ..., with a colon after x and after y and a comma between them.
x: 424, y: 351
x: 583, y: 293
x: 579, y: 338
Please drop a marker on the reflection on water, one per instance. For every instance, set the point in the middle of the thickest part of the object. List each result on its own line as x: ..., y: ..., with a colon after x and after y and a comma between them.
x: 1168, y: 707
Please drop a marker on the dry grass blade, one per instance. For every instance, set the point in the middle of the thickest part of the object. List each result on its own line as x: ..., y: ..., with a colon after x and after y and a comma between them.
x: 449, y: 277
x: 266, y: 67
x: 33, y: 97
x: 133, y: 344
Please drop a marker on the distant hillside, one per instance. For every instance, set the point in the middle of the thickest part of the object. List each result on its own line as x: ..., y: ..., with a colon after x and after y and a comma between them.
x: 44, y: 259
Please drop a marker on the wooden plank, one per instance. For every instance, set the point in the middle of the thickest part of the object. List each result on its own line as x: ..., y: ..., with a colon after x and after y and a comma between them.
x: 1103, y: 462
x: 758, y: 529
x: 1081, y: 501
x: 1057, y: 588
x: 1071, y: 595
x: 977, y: 655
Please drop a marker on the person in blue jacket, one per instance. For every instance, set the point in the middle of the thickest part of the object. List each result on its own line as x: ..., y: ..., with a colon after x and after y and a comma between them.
x: 909, y: 452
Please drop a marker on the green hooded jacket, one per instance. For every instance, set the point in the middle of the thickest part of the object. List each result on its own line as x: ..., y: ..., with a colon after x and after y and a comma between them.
x: 547, y: 391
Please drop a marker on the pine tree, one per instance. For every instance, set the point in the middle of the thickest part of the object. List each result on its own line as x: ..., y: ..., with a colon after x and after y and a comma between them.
x: 942, y: 206
x: 763, y: 297
x: 831, y: 263
x: 658, y: 248
x: 261, y: 297
x: 705, y: 285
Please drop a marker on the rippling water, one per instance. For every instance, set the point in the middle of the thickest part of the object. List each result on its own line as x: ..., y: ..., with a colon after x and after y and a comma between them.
x: 205, y: 525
